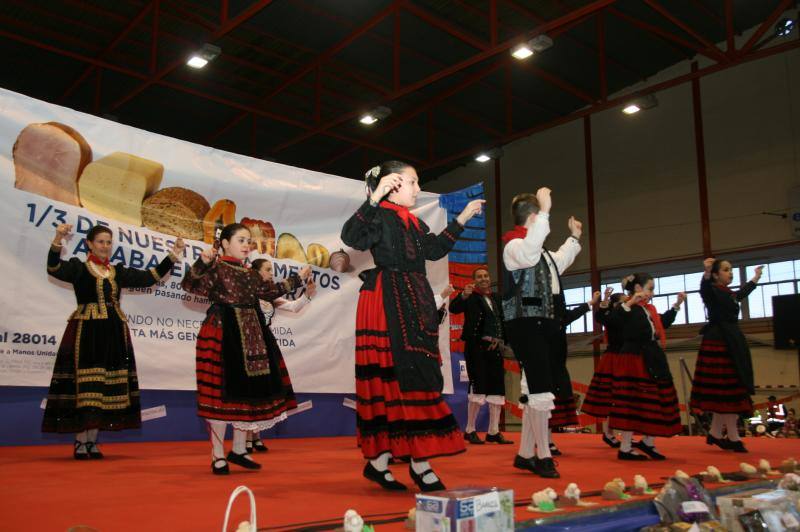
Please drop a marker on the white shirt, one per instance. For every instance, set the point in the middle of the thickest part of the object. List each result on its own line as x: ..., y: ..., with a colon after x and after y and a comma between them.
x: 522, y: 253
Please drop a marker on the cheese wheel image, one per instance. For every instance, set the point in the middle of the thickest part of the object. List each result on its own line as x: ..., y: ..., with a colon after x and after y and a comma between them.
x: 176, y: 211
x: 49, y: 159
x: 116, y: 185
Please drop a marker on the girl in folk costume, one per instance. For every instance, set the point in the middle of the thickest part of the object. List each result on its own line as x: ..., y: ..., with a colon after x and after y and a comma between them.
x: 484, y: 344
x: 643, y: 397
x: 565, y: 412
x: 94, y: 385
x: 400, y: 411
x: 723, y: 375
x: 241, y: 376
x: 535, y: 310
x: 264, y: 269
x: 597, y: 402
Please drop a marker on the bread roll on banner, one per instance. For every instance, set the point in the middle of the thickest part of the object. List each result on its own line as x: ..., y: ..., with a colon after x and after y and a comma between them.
x: 116, y: 185
x: 49, y: 159
x: 176, y: 211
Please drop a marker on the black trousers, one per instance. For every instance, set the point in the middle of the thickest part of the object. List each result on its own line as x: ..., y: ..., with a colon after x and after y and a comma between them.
x: 540, y: 345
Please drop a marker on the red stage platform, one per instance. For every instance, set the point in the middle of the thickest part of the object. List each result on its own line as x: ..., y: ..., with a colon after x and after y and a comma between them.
x: 305, y: 483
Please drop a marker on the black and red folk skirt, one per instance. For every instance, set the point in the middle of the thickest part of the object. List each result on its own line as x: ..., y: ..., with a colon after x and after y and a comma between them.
x: 564, y: 414
x: 416, y: 424
x: 225, y: 392
x: 597, y: 402
x: 640, y: 403
x: 716, y: 386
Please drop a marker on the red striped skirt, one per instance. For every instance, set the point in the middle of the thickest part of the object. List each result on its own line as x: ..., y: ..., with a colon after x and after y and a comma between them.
x: 716, y: 386
x: 210, y: 402
x: 419, y: 425
x: 640, y: 403
x: 597, y: 402
x: 565, y: 412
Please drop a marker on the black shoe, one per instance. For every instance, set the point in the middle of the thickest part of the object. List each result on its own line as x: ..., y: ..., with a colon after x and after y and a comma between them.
x: 259, y: 446
x: 649, y: 451
x: 473, y: 438
x: 554, y: 450
x: 76, y: 454
x: 242, y: 460
x: 93, y: 451
x: 524, y: 463
x: 722, y: 443
x: 498, y: 438
x: 248, y: 447
x: 221, y: 470
x: 736, y: 446
x: 611, y: 442
x: 423, y: 486
x: 380, y: 477
x: 630, y: 455
x: 545, y: 467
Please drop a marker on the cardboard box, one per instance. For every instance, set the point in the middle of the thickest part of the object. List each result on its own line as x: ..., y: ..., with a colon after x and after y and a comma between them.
x: 471, y: 509
x: 769, y: 500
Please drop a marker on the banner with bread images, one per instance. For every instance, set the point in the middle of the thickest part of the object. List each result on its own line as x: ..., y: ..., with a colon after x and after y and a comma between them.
x: 61, y: 166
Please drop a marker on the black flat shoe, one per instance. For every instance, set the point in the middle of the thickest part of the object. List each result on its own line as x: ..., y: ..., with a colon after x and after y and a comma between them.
x: 242, y: 460
x: 380, y: 477
x: 498, y: 438
x: 423, y: 486
x: 220, y: 470
x: 545, y: 467
x: 524, y: 463
x: 630, y: 455
x: 554, y: 450
x: 259, y: 446
x: 611, y: 442
x: 76, y: 454
x: 248, y: 447
x: 649, y: 451
x: 736, y: 446
x: 473, y: 438
x: 93, y: 451
x: 722, y: 443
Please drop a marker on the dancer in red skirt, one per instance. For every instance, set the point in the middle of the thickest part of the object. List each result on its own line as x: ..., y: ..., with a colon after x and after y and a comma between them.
x: 643, y: 397
x: 723, y: 375
x: 597, y: 402
x: 400, y: 411
x: 565, y: 413
x: 241, y: 376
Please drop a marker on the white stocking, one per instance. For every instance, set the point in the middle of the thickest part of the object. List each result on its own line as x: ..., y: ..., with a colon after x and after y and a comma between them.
x: 421, y: 467
x: 541, y: 433
x: 527, y: 442
x: 494, y: 418
x: 716, y: 425
x: 627, y: 441
x: 240, y: 442
x: 472, y: 415
x: 650, y: 441
x: 730, y: 422
x: 216, y: 431
x: 609, y: 433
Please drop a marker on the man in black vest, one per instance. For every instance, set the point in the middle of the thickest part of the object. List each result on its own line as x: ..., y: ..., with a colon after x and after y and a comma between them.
x: 484, y: 345
x: 535, y: 310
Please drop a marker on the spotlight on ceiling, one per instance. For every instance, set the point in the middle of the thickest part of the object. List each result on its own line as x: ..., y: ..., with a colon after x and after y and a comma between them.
x: 540, y: 43
x: 645, y: 102
x: 488, y: 155
x: 379, y: 113
x: 203, y: 56
x: 784, y: 27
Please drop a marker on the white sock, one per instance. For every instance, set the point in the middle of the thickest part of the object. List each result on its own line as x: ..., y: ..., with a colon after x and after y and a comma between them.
x: 494, y: 418
x: 731, y: 428
x: 216, y: 431
x: 421, y: 467
x: 472, y: 416
x: 609, y: 433
x: 91, y: 435
x: 626, y: 441
x: 81, y: 436
x: 716, y: 425
x: 541, y: 433
x: 650, y: 441
x: 240, y: 442
x: 527, y: 442
x: 381, y: 463
x: 550, y: 436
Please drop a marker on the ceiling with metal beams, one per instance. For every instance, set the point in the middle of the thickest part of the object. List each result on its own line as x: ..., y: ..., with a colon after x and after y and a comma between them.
x: 294, y: 76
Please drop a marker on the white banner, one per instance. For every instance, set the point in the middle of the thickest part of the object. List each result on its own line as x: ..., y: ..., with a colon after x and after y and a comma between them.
x: 61, y: 166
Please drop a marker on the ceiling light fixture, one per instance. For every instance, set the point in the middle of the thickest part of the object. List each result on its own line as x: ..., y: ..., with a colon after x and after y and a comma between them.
x: 379, y: 113
x: 203, y: 56
x: 647, y: 101
x: 540, y: 43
